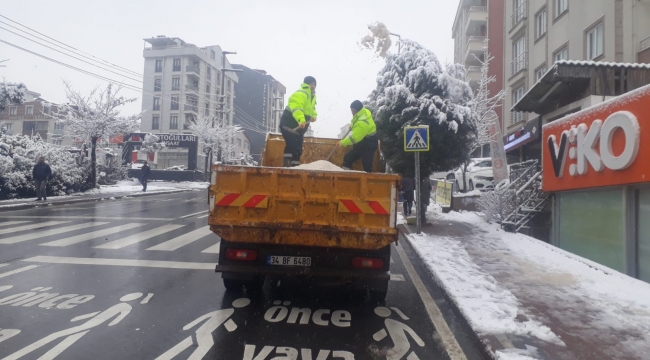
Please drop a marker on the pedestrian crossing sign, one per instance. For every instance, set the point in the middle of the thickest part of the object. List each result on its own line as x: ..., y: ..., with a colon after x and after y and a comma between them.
x: 416, y: 138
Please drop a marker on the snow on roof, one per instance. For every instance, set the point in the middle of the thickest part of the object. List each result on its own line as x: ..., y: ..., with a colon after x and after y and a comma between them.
x: 605, y: 106
x: 602, y: 64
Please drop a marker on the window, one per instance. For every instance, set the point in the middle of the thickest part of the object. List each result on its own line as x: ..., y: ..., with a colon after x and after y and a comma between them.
x: 219, y: 77
x: 595, y: 39
x: 173, y: 122
x: 177, y: 65
x: 229, y: 84
x: 540, y: 72
x: 157, y: 84
x: 155, y: 123
x: 561, y: 6
x: 57, y: 142
x: 209, y: 70
x: 176, y: 83
x: 29, y: 110
x: 13, y: 110
x: 519, y: 55
x: 58, y: 126
x: 156, y: 104
x: 46, y: 108
x: 7, y: 126
x: 158, y: 65
x: 175, y: 105
x: 212, y: 55
x: 207, y: 108
x: 517, y: 95
x: 562, y: 54
x: 238, y: 142
x: 228, y: 101
x: 540, y: 24
x: 207, y: 89
x: 519, y: 11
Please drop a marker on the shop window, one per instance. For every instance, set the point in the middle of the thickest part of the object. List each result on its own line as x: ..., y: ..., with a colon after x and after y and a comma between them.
x: 592, y: 225
x: 644, y: 235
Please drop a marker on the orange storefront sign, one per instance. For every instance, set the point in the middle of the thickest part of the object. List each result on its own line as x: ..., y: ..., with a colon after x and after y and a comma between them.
x: 607, y: 144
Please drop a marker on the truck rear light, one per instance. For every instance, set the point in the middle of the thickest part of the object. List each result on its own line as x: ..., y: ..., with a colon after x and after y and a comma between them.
x: 243, y: 255
x: 367, y: 263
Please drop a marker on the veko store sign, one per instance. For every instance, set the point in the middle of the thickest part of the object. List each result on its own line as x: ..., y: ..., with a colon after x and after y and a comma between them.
x: 601, y: 146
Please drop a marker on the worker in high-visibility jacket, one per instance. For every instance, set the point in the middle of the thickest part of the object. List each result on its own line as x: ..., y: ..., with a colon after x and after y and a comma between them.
x: 362, y: 136
x: 296, y: 118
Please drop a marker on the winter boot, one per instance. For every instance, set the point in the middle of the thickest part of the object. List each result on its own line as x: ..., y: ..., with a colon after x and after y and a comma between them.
x: 287, y: 160
x: 295, y: 163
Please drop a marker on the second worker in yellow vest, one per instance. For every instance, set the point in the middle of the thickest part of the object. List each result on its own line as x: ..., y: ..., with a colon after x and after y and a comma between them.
x: 362, y: 137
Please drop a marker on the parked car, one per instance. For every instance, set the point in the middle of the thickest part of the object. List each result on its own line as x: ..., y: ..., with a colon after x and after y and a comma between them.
x: 176, y: 168
x: 443, y: 175
x: 479, y: 175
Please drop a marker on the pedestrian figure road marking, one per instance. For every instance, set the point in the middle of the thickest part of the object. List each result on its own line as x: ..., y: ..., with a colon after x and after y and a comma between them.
x: 71, y: 335
x: 211, y: 322
x: 398, y: 332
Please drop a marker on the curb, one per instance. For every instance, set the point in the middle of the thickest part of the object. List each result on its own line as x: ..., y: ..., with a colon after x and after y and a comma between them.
x: 85, y: 200
x: 483, y: 348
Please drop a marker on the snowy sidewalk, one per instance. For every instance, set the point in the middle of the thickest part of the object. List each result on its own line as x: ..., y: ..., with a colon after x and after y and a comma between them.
x: 122, y: 189
x: 526, y: 299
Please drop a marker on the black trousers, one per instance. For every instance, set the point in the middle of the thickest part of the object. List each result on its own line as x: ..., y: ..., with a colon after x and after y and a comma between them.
x: 364, y: 150
x: 293, y: 142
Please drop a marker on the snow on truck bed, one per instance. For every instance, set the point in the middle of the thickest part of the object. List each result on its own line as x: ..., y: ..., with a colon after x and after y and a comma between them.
x: 322, y: 165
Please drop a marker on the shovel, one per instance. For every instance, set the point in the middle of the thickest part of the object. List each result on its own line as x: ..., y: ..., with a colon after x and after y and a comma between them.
x: 335, y: 147
x: 293, y: 131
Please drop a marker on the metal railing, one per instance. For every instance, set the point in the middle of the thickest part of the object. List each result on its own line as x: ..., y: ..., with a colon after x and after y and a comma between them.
x: 193, y: 68
x: 516, y: 117
x: 520, y: 14
x: 193, y: 108
x: 477, y: 8
x: 474, y: 69
x: 518, y: 64
x: 645, y: 44
x: 191, y: 88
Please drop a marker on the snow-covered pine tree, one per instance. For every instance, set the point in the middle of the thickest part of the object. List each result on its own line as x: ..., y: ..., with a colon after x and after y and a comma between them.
x: 151, y: 144
x: 414, y: 89
x: 11, y: 93
x: 95, y: 118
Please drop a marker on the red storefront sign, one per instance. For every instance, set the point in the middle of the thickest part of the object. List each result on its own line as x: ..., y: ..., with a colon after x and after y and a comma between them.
x: 607, y: 144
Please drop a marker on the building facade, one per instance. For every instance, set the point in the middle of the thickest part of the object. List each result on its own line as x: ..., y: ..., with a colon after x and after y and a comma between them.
x: 258, y: 106
x: 540, y: 32
x: 32, y: 118
x: 181, y: 81
x: 470, y: 34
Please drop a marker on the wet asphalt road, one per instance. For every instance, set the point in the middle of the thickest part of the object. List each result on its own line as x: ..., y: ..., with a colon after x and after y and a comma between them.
x: 134, y: 279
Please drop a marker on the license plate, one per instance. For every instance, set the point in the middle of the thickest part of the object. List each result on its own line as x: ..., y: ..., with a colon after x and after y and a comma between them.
x: 289, y: 260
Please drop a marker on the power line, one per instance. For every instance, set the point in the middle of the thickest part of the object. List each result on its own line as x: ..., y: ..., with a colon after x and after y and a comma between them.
x: 59, y: 51
x: 71, y: 47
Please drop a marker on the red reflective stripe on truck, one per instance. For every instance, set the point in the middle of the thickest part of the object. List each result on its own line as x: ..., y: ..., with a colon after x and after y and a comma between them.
x: 255, y: 200
x: 228, y: 199
x: 377, y: 208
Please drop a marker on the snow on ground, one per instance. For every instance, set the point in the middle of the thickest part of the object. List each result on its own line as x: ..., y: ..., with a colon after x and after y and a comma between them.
x: 127, y: 186
x: 515, y: 285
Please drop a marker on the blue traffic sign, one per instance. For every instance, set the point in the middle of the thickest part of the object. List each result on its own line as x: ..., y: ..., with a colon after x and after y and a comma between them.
x: 416, y: 138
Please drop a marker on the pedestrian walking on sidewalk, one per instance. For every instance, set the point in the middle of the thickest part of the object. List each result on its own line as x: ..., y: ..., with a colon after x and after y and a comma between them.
x: 408, y: 189
x: 41, y: 173
x: 144, y: 172
x: 425, y: 199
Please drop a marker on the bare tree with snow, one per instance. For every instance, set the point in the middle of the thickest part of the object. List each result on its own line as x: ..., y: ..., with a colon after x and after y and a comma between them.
x: 151, y: 144
x: 95, y: 118
x: 216, y: 135
x: 11, y: 93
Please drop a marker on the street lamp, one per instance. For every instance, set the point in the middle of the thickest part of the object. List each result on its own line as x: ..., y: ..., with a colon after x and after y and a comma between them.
x: 399, y: 41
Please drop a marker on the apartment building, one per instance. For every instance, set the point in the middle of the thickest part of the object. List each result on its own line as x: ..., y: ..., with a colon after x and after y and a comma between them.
x: 181, y: 81
x: 540, y: 32
x: 31, y: 118
x: 470, y: 37
x: 259, y: 105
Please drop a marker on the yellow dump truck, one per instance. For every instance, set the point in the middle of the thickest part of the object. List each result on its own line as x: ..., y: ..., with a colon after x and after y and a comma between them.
x: 333, y: 225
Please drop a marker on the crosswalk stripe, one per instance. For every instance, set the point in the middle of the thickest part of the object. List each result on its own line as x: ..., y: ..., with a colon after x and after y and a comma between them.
x: 203, y: 216
x: 7, y: 223
x: 31, y: 226
x: 136, y: 238
x: 92, y: 235
x: 214, y: 249
x: 44, y: 233
x: 182, y: 240
x: 18, y: 270
x: 1, y: 265
x: 122, y: 262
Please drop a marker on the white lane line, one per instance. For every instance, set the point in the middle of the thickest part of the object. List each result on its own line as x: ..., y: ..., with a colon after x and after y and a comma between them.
x: 183, y: 240
x: 18, y: 270
x: 44, y: 233
x: 122, y: 262
x: 32, y: 226
x: 7, y: 223
x: 136, y: 238
x: 190, y: 215
x: 92, y: 235
x: 201, y: 217
x: 448, y: 340
x: 90, y: 217
x: 397, y: 277
x: 214, y: 249
x: 1, y: 265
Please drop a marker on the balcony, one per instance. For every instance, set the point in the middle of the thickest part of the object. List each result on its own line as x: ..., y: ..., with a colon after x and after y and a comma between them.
x: 474, y: 76
x: 192, y: 108
x: 476, y: 17
x: 518, y: 64
x: 58, y: 131
x: 517, y: 117
x: 475, y: 49
x: 192, y: 89
x: 519, y: 16
x: 193, y: 69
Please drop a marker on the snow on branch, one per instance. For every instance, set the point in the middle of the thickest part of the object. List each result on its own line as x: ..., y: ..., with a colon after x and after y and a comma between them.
x: 216, y: 134
x: 379, y: 39
x: 151, y: 144
x: 11, y: 93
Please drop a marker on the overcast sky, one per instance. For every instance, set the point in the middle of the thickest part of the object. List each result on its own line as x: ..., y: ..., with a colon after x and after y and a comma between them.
x: 288, y: 38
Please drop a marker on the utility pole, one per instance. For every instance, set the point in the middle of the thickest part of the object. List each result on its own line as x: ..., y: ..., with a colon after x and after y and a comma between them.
x: 223, y: 96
